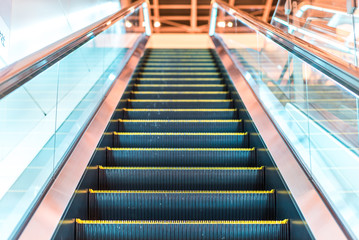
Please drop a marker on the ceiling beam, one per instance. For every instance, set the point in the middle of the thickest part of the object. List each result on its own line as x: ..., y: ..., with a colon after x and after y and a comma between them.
x: 175, y: 24
x: 193, y: 14
x: 267, y: 10
x: 231, y: 2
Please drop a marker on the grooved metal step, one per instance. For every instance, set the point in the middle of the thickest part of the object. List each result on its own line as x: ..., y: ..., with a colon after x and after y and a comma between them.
x: 181, y: 157
x: 139, y: 113
x: 166, y: 69
x: 179, y: 230
x: 178, y: 140
x: 178, y: 80
x: 180, y: 103
x: 181, y: 178
x: 180, y: 87
x: 133, y: 125
x: 182, y: 205
x: 179, y: 95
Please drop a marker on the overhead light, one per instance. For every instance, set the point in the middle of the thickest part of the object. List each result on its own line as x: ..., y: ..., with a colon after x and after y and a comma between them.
x: 109, y: 22
x: 128, y: 24
x: 157, y: 24
x: 229, y: 24
x: 143, y: 24
x: 221, y: 24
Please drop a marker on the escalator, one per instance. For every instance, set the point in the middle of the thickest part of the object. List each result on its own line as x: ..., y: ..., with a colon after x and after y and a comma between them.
x: 177, y: 161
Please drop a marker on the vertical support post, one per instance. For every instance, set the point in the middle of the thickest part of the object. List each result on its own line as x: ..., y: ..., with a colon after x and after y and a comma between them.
x: 146, y: 15
x: 193, y: 15
x: 212, y: 25
x: 156, y: 13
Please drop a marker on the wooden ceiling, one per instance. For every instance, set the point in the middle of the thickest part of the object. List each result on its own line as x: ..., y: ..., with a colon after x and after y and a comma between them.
x: 192, y: 16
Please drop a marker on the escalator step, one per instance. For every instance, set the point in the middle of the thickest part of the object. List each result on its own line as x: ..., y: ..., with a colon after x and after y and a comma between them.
x: 177, y: 69
x: 184, y: 64
x: 165, y: 178
x: 182, y: 74
x: 181, y: 205
x: 181, y: 157
x: 179, y: 140
x: 180, y: 103
x: 180, y: 87
x: 124, y: 125
x: 179, y: 94
x: 178, y: 80
x: 140, y: 113
x: 179, y: 230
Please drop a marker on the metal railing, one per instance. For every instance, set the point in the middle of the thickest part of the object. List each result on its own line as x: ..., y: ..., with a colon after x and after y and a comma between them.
x: 344, y: 73
x: 18, y: 73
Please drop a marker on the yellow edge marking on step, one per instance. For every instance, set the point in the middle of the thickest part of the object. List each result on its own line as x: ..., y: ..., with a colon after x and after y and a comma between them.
x: 176, y: 64
x: 178, y: 68
x: 180, y: 168
x: 174, y: 73
x: 181, y: 92
x: 183, y: 192
x: 149, y: 222
x: 182, y: 149
x: 178, y: 110
x: 175, y: 60
x: 179, y: 85
x: 196, y: 121
x: 176, y: 133
x: 179, y: 100
x: 179, y: 79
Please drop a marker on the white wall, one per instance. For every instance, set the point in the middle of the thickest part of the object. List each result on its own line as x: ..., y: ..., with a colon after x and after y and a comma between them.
x: 34, y: 24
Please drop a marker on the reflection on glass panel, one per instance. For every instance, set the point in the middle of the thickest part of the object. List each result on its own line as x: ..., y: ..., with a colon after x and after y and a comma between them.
x: 42, y: 119
x: 325, y: 24
x: 26, y: 124
x: 317, y: 116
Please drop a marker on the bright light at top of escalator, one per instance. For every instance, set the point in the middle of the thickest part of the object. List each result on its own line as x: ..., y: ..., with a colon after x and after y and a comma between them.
x: 221, y: 24
x: 229, y: 24
x: 157, y: 24
x: 128, y: 24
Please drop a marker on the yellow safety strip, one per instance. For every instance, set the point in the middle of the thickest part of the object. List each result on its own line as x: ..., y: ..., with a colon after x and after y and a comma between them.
x: 175, y: 121
x: 183, y: 192
x: 179, y: 85
x: 180, y: 74
x: 182, y: 92
x: 179, y: 100
x: 182, y: 149
x: 179, y: 79
x: 182, y: 64
x: 179, y: 110
x: 176, y: 133
x: 177, y: 60
x: 181, y: 168
x: 165, y: 57
x: 79, y: 221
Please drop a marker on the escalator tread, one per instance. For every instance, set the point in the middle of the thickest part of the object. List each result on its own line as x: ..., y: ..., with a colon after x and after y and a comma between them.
x: 176, y: 161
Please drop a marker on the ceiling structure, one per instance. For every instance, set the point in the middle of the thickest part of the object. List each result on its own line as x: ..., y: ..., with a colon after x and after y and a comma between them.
x: 192, y: 16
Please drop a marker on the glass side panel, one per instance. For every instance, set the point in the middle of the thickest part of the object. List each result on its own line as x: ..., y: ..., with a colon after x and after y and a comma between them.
x: 317, y: 116
x: 42, y: 119
x: 325, y: 24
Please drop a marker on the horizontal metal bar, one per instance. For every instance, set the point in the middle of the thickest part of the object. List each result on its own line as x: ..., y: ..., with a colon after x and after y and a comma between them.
x: 344, y: 73
x: 18, y: 73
